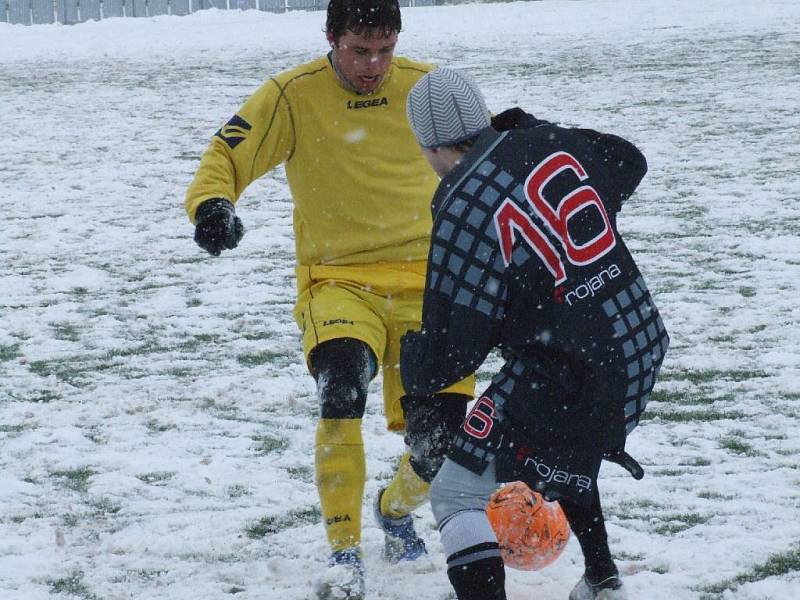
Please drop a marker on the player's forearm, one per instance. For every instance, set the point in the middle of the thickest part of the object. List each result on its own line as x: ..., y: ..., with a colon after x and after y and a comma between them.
x: 445, y: 352
x: 215, y: 178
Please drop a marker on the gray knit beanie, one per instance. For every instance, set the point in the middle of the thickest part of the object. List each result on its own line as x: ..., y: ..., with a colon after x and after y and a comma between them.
x: 446, y: 107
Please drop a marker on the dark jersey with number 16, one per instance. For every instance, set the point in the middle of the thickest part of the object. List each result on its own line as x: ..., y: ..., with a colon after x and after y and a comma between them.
x: 526, y: 257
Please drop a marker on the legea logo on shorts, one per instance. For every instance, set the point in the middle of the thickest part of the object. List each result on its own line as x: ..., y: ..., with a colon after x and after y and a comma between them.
x: 337, y: 322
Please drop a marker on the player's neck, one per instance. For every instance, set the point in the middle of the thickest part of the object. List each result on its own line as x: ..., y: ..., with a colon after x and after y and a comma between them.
x: 334, y: 60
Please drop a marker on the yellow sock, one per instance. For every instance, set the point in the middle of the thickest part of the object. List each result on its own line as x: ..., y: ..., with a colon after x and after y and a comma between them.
x: 405, y: 493
x: 341, y: 470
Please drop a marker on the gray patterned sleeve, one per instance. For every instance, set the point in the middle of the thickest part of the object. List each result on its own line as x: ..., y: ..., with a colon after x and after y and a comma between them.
x: 466, y: 288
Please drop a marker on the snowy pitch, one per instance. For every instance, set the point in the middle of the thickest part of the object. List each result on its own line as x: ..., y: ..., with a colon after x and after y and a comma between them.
x: 156, y: 419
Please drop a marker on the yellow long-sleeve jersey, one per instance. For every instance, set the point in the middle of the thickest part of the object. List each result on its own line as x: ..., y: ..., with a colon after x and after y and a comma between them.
x: 360, y: 184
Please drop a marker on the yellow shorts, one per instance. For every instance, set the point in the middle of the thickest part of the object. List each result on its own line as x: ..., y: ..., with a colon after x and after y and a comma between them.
x: 375, y: 303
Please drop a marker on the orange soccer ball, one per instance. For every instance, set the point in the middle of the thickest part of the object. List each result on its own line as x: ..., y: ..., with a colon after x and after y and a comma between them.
x: 531, y: 531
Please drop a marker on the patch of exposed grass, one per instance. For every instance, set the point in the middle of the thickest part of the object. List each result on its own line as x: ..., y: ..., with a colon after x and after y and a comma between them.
x: 140, y: 575
x: 696, y: 462
x: 702, y: 376
x: 187, y: 261
x: 695, y: 416
x: 12, y: 429
x: 150, y: 574
x: 267, y: 357
x: 722, y: 339
x: 94, y: 435
x: 156, y: 477
x: 40, y: 367
x: 73, y: 585
x: 65, y: 332
x: 660, y: 570
x: 710, y: 495
x: 747, y: 292
x: 643, y: 504
x: 681, y: 522
x: 76, y: 480
x: 198, y: 341
x: 269, y: 443
x: 228, y: 413
x: 8, y: 353
x: 270, y: 525
x: 775, y: 566
x: 259, y: 335
x: 636, y: 509
x: 788, y: 452
x: 155, y: 426
x: 662, y: 395
x: 303, y: 473
x: 628, y: 556
x: 238, y: 490
x: 686, y: 397
x: 67, y: 370
x: 708, y: 286
x: 43, y: 397
x: 180, y: 372
x: 671, y: 472
x: 105, y: 506
x: 735, y: 444
x: 149, y: 347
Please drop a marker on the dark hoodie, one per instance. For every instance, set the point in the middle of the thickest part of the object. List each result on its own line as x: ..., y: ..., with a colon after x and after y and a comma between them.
x: 526, y: 257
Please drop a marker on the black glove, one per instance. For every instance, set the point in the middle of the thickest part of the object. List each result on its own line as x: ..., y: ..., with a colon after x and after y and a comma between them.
x: 217, y: 226
x: 431, y: 423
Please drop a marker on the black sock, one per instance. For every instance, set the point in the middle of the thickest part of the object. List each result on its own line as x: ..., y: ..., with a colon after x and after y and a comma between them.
x: 589, y: 527
x: 483, y: 579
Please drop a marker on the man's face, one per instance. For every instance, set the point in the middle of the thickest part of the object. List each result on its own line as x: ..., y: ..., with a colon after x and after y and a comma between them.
x: 363, y: 59
x: 443, y: 160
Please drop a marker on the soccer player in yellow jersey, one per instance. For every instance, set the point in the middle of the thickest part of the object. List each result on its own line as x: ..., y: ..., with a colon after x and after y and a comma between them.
x: 361, y: 189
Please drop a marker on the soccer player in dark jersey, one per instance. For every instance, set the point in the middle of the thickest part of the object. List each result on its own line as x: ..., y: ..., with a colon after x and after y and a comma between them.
x: 526, y: 257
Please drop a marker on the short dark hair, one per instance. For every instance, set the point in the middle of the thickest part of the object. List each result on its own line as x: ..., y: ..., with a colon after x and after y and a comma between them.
x: 381, y: 17
x: 466, y: 144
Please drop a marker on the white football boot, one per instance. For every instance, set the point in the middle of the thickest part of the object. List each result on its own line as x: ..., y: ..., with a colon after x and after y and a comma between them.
x: 608, y: 589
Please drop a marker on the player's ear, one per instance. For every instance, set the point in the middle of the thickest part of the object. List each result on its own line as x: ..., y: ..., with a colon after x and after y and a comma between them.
x: 330, y: 38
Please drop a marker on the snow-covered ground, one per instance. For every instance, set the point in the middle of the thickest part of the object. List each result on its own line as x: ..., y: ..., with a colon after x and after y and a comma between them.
x: 156, y: 419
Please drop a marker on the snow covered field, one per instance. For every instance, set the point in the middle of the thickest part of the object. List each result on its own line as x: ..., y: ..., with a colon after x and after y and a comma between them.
x: 156, y: 420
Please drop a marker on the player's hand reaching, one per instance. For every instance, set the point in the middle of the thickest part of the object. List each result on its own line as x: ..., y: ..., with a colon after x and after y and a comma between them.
x: 217, y: 226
